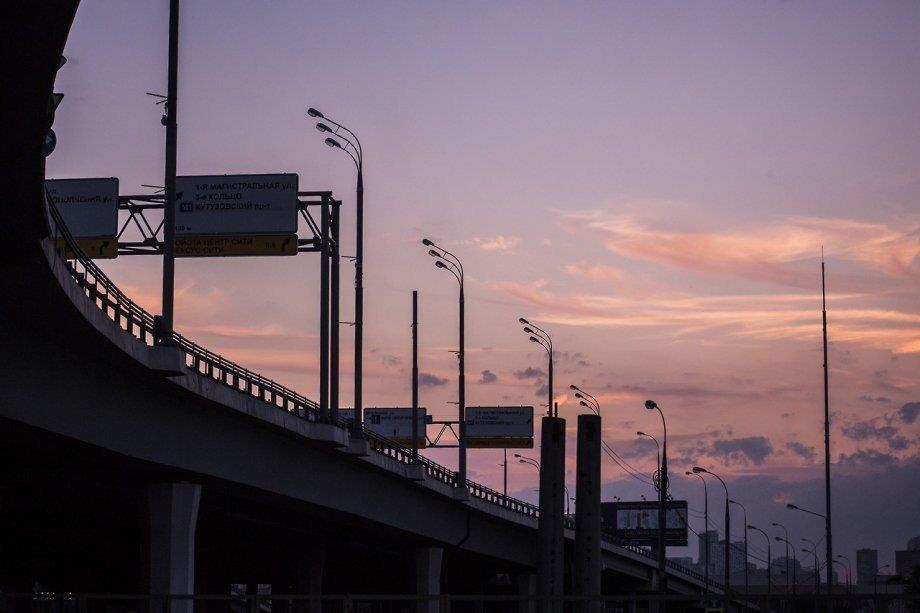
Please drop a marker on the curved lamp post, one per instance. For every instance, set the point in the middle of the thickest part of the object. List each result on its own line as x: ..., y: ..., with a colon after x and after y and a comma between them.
x: 344, y: 135
x: 539, y: 335
x: 814, y: 552
x: 849, y: 573
x: 446, y: 260
x: 706, y: 522
x: 651, y: 405
x: 795, y: 562
x: 657, y: 449
x: 769, y: 558
x: 747, y: 586
x: 531, y: 462
x: 728, y: 532
x: 786, y: 533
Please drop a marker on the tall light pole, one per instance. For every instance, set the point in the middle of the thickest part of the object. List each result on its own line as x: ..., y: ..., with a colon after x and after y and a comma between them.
x: 651, y: 405
x: 795, y: 562
x: 875, y: 580
x: 706, y: 521
x: 446, y: 260
x: 540, y: 336
x: 356, y: 154
x: 728, y: 532
x: 165, y: 329
x: 657, y: 450
x: 827, y: 441
x: 786, y: 533
x: 531, y: 462
x: 848, y: 567
x: 769, y: 558
x: 814, y: 552
x: 746, y: 583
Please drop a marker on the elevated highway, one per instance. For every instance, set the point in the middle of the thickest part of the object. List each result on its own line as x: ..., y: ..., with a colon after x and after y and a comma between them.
x: 121, y: 456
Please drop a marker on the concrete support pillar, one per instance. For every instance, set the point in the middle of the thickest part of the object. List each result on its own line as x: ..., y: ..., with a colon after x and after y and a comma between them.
x: 428, y: 577
x: 173, y: 519
x: 527, y: 588
x: 587, y: 552
x: 310, y: 578
x: 551, y: 529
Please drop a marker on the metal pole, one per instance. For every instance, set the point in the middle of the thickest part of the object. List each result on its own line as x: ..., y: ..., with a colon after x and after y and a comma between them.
x: 324, y: 313
x: 505, y: 476
x: 706, y: 519
x: 359, y: 299
x: 334, y: 315
x: 662, y: 512
x: 414, y: 376
x: 827, y: 445
x: 549, y: 404
x: 169, y: 182
x: 728, y: 548
x: 462, y: 396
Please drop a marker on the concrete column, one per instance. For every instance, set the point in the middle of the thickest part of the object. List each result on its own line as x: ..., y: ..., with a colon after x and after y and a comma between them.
x: 587, y: 579
x: 551, y: 529
x: 310, y: 579
x: 173, y: 519
x: 527, y: 587
x: 428, y: 577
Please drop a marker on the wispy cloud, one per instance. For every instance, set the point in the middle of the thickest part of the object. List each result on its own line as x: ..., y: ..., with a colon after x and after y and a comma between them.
x: 497, y: 243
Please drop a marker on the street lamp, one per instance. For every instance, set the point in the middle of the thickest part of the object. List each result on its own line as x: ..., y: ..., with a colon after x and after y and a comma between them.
x: 875, y: 579
x: 586, y: 399
x: 769, y: 558
x: 357, y: 156
x: 706, y: 522
x: 531, y: 462
x: 539, y: 336
x: 657, y: 450
x: 786, y: 532
x: 651, y: 405
x: 848, y: 566
x: 847, y: 571
x: 814, y: 552
x: 789, y: 505
x: 744, y: 511
x: 446, y: 260
x: 728, y: 532
x: 794, y: 563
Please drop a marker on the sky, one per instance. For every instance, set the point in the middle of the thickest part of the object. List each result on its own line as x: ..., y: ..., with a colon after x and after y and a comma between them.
x: 652, y: 183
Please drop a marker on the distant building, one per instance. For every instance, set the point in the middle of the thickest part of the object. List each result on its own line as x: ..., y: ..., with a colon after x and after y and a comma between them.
x: 913, y: 544
x: 709, y: 541
x: 906, y: 560
x: 866, y: 565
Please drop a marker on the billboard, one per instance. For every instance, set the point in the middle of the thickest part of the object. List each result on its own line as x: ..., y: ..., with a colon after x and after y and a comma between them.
x: 637, y: 522
x: 89, y: 208
x: 499, y: 427
x: 393, y: 423
x: 236, y: 215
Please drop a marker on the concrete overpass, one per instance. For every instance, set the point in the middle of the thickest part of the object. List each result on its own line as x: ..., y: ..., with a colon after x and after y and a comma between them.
x: 132, y: 467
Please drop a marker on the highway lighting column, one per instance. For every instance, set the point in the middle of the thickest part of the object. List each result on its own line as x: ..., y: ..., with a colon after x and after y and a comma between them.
x: 848, y: 567
x: 657, y: 451
x: 346, y: 135
x: 706, y: 521
x: 451, y: 263
x: 541, y: 337
x: 827, y: 443
x: 814, y: 552
x: 786, y: 540
x: 728, y: 532
x: 651, y: 405
x: 769, y: 558
x: 165, y: 328
x: 747, y: 586
x: 794, y: 564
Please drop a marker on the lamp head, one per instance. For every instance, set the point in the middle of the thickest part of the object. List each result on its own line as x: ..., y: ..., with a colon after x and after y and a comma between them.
x: 688, y: 473
x: 440, y: 264
x: 776, y: 524
x: 522, y: 461
x: 528, y: 330
x: 574, y: 387
x: 523, y: 321
x: 651, y: 404
x: 434, y: 253
x: 333, y: 143
x: 578, y: 395
x: 585, y: 404
x: 533, y: 339
x: 427, y: 242
x: 312, y: 112
x: 778, y: 538
x: 517, y: 455
x: 789, y: 505
x: 644, y: 434
x: 322, y: 127
x: 750, y: 527
x: 699, y: 469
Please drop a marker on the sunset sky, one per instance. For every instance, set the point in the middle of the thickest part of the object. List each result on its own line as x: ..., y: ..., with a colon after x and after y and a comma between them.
x: 651, y: 183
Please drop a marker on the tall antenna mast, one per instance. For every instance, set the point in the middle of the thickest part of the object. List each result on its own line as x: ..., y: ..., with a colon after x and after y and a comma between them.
x: 827, y: 446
